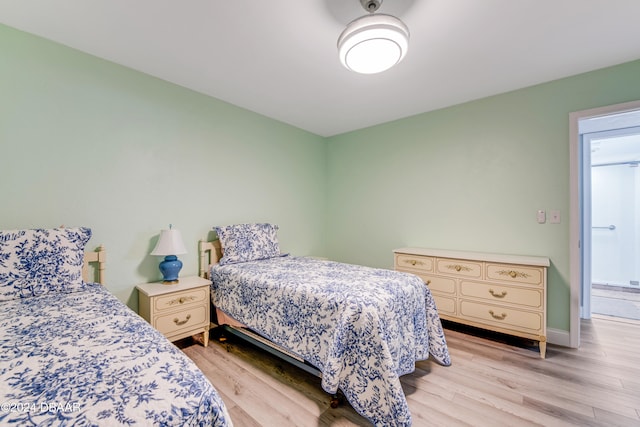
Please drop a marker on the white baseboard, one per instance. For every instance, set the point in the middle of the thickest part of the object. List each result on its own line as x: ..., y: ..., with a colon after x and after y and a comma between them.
x: 558, y: 337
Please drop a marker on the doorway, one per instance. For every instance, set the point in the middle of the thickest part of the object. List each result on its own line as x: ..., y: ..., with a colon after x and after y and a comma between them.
x: 585, y: 128
x: 612, y: 155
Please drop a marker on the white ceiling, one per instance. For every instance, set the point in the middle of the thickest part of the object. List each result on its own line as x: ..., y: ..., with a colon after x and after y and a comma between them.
x: 278, y: 58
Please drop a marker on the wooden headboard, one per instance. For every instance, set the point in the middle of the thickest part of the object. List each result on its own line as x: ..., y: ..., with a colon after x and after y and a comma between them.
x: 99, y: 257
x: 210, y: 253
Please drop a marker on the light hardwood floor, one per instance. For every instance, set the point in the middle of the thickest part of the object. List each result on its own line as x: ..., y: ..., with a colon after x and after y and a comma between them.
x: 491, y: 382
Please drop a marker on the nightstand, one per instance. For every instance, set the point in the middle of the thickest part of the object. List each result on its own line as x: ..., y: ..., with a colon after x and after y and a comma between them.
x: 178, y: 310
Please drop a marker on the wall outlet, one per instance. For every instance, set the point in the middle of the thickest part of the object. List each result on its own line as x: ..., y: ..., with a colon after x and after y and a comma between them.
x: 555, y: 217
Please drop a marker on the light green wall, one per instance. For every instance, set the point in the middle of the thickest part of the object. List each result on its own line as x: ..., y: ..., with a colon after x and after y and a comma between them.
x: 87, y: 142
x: 469, y: 177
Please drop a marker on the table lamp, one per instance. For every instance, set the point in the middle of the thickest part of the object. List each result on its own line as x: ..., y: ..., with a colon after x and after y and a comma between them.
x: 169, y: 245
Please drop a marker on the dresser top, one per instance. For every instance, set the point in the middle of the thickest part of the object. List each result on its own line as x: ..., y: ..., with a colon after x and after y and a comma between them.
x: 477, y: 256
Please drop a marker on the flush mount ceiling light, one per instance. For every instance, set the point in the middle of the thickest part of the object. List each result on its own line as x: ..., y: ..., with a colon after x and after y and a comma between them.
x: 373, y: 43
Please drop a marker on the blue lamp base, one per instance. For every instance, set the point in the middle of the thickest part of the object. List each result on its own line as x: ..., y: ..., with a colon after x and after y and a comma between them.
x: 170, y: 268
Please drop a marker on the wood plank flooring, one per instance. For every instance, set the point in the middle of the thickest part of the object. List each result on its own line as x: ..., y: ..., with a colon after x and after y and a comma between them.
x: 491, y: 382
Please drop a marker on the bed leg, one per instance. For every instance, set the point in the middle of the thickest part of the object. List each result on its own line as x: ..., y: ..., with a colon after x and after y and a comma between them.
x: 336, y: 399
x: 216, y: 333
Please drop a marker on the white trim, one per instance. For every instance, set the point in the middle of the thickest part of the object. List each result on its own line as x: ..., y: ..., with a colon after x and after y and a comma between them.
x: 584, y: 151
x: 558, y: 337
x: 575, y: 263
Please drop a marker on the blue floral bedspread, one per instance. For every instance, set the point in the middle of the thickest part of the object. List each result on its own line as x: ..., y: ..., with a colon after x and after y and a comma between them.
x: 361, y: 327
x: 86, y: 359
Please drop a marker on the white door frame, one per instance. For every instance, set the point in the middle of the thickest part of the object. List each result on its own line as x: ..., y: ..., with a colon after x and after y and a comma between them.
x: 576, y: 223
x: 584, y: 188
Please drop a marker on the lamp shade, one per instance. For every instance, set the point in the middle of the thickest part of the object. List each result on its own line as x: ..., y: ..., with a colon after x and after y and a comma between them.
x: 373, y: 43
x: 169, y: 243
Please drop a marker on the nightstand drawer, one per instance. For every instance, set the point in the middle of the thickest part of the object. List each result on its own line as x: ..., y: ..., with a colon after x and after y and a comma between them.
x: 180, y: 299
x: 458, y: 267
x: 413, y: 263
x: 171, y: 323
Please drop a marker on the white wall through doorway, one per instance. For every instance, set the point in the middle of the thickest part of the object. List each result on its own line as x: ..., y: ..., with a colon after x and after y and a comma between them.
x: 615, y: 240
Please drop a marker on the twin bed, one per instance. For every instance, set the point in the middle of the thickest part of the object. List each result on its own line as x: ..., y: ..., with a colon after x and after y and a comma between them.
x: 359, y: 328
x: 72, y: 354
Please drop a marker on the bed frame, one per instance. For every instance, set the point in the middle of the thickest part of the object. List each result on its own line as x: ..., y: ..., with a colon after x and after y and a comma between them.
x: 95, y: 274
x: 210, y: 253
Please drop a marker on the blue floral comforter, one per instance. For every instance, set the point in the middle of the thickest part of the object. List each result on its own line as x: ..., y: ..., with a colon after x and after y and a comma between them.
x: 361, y: 327
x: 85, y: 359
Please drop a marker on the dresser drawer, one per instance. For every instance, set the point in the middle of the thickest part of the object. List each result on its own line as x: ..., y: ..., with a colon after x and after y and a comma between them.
x: 406, y: 262
x: 445, y: 285
x: 180, y: 299
x: 458, y: 267
x: 519, y: 274
x: 171, y: 323
x: 444, y: 305
x: 530, y: 298
x: 505, y: 317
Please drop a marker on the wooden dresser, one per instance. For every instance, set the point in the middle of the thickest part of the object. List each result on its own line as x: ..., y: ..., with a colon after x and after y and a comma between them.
x: 502, y: 293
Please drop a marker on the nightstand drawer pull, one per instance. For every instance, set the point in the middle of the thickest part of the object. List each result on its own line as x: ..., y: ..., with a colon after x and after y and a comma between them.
x: 498, y: 295
x: 181, y: 322
x: 182, y: 300
x: 498, y: 317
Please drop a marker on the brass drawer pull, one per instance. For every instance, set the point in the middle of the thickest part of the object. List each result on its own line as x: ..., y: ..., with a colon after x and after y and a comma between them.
x: 182, y: 300
x: 495, y: 316
x: 513, y: 274
x: 458, y: 267
x: 498, y: 295
x: 181, y: 322
x: 413, y: 262
x: 428, y: 282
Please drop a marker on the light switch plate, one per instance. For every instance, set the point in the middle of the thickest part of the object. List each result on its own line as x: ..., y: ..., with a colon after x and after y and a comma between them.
x: 541, y: 216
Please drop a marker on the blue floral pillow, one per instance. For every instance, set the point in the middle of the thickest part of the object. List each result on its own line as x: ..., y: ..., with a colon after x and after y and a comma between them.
x: 248, y: 242
x: 41, y: 261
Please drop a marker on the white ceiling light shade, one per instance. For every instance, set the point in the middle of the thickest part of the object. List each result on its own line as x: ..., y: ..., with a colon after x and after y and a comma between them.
x: 373, y: 43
